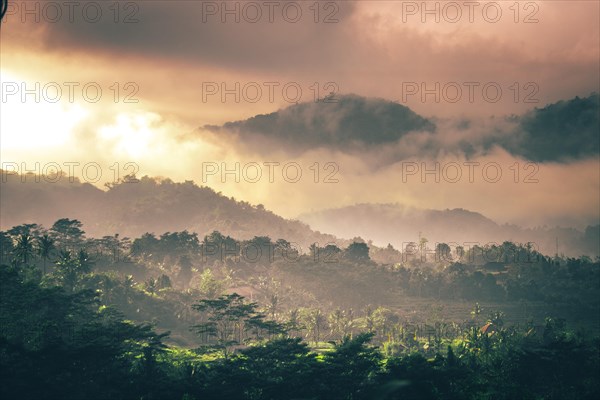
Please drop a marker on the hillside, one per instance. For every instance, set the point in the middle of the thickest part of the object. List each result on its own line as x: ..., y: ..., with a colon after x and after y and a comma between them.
x: 397, y: 224
x: 148, y: 205
x: 161, y: 205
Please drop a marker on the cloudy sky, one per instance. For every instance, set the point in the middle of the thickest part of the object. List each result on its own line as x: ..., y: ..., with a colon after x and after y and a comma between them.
x: 359, y: 97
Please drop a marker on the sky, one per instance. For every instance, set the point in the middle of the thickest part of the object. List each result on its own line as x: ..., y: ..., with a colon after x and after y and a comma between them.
x: 315, y: 105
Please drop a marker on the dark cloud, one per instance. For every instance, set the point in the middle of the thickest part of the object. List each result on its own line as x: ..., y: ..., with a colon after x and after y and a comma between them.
x: 170, y: 52
x: 194, y: 31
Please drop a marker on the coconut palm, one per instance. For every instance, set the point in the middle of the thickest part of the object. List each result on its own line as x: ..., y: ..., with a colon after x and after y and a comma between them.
x: 84, y: 261
x: 24, y: 248
x: 45, y: 248
x: 128, y: 283
x: 67, y: 270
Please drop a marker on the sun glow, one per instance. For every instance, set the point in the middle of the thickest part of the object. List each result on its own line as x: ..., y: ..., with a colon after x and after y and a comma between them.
x: 29, y: 121
x: 131, y: 134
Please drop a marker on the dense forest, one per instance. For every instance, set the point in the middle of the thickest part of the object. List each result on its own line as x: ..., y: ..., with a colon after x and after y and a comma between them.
x: 177, y: 316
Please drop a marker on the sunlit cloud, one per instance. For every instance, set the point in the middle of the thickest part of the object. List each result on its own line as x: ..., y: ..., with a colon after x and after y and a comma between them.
x: 159, y: 132
x: 29, y: 120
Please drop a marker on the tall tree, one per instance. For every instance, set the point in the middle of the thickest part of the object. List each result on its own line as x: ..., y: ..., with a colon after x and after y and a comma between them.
x: 151, y: 286
x: 45, y: 248
x: 358, y: 252
x: 351, y: 369
x: 127, y: 283
x: 69, y: 231
x: 228, y: 319
x: 315, y: 321
x: 84, y: 261
x: 6, y: 247
x: 24, y: 248
x: 443, y: 253
x: 210, y: 287
x: 26, y: 229
x: 70, y: 270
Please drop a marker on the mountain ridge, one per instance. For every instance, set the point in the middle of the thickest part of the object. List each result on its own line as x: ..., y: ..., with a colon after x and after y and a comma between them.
x: 125, y: 208
x: 397, y: 224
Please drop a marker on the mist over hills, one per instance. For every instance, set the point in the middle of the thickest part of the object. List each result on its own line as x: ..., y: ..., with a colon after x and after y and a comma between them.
x: 381, y: 134
x: 386, y: 132
x: 375, y: 131
x: 148, y: 205
x: 348, y: 122
x: 397, y: 224
x: 161, y: 205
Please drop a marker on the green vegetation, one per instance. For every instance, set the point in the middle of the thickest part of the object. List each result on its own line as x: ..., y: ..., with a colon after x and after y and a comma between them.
x: 176, y: 317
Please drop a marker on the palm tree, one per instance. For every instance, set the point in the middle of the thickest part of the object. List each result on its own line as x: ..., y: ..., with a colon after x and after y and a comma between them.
x: 314, y: 320
x: 45, y: 247
x: 67, y: 269
x: 108, y: 284
x: 24, y: 248
x: 128, y: 283
x: 70, y: 269
x: 85, y: 263
x: 151, y: 286
x: 294, y: 325
x: 336, y: 323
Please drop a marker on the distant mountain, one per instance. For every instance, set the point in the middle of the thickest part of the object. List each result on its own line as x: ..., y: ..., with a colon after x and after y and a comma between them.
x: 397, y: 224
x: 559, y: 132
x: 161, y: 205
x: 148, y: 205
x: 344, y: 122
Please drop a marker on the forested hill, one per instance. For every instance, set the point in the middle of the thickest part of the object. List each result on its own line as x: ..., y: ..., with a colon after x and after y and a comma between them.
x: 146, y: 205
x: 398, y: 224
x: 161, y: 205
